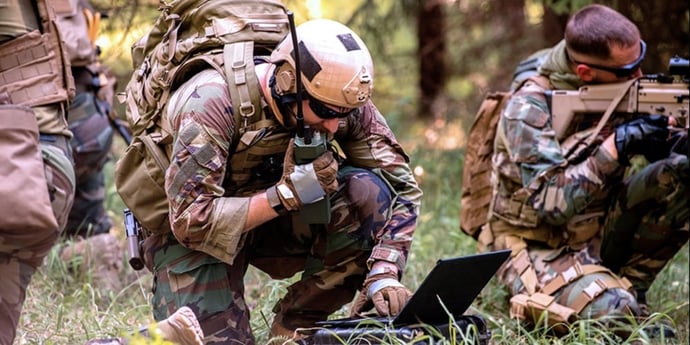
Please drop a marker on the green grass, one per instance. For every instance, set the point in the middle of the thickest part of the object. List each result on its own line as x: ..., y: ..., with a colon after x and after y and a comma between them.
x: 65, y: 308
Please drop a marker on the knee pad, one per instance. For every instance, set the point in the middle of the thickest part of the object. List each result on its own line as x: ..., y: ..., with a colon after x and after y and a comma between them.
x: 588, y: 292
x: 600, y: 295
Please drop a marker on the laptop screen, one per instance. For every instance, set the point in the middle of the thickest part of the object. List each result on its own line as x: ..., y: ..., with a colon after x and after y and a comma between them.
x: 450, y: 287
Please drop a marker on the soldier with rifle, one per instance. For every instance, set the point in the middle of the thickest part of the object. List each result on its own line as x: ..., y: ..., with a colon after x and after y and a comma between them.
x: 593, y: 206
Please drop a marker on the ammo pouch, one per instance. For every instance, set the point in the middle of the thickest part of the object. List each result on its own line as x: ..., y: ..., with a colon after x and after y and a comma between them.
x: 23, y: 174
x: 514, y: 209
x: 33, y: 71
x: 140, y: 180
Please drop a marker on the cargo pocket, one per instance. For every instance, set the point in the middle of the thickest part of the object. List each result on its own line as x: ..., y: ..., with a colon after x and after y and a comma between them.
x: 195, y: 279
x: 23, y: 174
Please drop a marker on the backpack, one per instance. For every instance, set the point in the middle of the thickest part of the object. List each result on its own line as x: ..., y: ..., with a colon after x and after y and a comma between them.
x: 189, y: 36
x: 477, y: 168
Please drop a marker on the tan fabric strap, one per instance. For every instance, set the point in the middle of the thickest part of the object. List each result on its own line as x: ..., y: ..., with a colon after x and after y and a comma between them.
x: 573, y: 273
x: 596, y: 288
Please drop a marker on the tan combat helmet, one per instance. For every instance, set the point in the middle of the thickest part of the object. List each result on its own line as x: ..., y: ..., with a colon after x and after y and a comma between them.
x: 335, y: 64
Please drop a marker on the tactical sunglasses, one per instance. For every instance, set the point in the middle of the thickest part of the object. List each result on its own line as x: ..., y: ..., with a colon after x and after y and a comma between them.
x: 326, y: 113
x: 623, y: 71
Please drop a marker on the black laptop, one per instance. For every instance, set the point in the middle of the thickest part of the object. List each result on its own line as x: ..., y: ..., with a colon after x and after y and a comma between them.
x: 452, y: 285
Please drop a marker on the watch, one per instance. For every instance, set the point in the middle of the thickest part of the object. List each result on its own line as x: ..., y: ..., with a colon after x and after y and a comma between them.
x: 274, y: 201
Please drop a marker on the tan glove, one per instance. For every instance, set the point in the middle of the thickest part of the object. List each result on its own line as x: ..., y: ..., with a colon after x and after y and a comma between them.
x: 306, y: 183
x: 382, y: 291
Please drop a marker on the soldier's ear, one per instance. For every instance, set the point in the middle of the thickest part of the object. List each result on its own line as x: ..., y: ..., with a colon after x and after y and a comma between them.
x: 585, y: 72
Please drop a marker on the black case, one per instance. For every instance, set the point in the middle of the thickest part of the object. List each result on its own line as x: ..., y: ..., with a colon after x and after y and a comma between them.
x: 467, y: 329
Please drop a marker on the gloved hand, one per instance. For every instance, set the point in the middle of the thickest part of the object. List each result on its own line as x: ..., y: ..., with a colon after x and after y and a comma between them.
x: 646, y: 135
x: 382, y: 291
x: 306, y: 183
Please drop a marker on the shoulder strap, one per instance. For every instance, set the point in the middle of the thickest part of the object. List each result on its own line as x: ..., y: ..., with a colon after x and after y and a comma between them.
x: 243, y: 85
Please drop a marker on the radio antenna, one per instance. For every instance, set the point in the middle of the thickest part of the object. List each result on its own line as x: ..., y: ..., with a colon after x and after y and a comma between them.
x: 301, y: 128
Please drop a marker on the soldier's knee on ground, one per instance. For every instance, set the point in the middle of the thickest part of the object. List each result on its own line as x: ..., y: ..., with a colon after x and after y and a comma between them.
x: 600, y: 295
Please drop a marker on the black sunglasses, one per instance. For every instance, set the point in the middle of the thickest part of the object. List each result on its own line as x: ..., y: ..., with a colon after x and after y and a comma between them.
x: 326, y: 113
x: 623, y: 71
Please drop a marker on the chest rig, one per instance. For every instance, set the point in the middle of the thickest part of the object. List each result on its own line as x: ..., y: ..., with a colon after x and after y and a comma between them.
x: 257, y: 160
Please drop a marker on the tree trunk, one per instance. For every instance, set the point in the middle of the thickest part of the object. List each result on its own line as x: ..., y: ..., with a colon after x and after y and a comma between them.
x: 553, y: 25
x: 431, y: 29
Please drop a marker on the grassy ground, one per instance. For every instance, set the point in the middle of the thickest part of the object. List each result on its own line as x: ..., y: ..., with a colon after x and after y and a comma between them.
x: 65, y: 308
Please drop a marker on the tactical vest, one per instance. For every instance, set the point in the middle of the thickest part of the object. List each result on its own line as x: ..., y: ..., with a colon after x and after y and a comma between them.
x: 520, y: 218
x: 45, y: 78
x: 257, y: 149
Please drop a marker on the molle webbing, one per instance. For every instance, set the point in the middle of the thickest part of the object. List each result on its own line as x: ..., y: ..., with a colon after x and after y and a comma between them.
x: 32, y: 71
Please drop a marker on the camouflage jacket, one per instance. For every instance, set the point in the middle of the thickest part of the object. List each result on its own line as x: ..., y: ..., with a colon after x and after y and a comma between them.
x: 533, y: 185
x: 205, y: 216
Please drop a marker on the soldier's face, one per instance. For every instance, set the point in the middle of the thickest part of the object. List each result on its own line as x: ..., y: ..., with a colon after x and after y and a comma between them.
x: 623, y: 64
x: 318, y: 123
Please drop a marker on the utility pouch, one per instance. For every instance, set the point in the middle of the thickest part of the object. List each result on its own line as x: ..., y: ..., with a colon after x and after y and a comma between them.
x: 140, y: 178
x: 23, y: 174
x: 31, y: 71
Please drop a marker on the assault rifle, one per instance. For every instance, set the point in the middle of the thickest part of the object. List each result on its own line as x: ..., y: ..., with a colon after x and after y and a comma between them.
x: 651, y: 94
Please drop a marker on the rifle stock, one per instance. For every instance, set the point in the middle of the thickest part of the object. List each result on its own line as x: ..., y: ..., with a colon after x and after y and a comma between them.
x: 648, y: 95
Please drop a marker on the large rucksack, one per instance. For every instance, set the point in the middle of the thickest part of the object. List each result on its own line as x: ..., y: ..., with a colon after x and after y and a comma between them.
x: 476, y: 176
x: 189, y: 36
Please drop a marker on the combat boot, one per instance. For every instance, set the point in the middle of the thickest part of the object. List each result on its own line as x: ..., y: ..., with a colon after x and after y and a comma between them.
x: 182, y: 327
x: 99, y: 257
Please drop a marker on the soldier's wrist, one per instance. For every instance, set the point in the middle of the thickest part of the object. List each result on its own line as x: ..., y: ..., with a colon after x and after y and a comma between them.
x: 275, y: 202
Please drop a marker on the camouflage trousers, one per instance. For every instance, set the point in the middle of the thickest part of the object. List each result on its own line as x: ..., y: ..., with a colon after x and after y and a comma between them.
x: 23, y: 247
x: 331, y: 259
x: 645, y: 227
x: 91, y: 143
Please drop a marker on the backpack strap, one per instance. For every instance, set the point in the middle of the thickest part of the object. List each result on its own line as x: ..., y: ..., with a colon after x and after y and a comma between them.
x: 243, y: 84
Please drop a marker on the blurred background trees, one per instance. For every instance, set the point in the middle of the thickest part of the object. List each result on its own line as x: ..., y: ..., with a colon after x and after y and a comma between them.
x: 435, y: 59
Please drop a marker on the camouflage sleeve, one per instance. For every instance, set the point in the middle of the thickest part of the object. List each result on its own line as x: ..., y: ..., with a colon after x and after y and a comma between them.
x: 532, y: 149
x: 368, y: 142
x: 201, y: 218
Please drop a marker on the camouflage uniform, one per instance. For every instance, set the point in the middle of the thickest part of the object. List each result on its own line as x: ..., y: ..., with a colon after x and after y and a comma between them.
x: 89, y: 123
x: 91, y: 249
x: 202, y: 263
x: 23, y: 247
x: 579, y: 232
